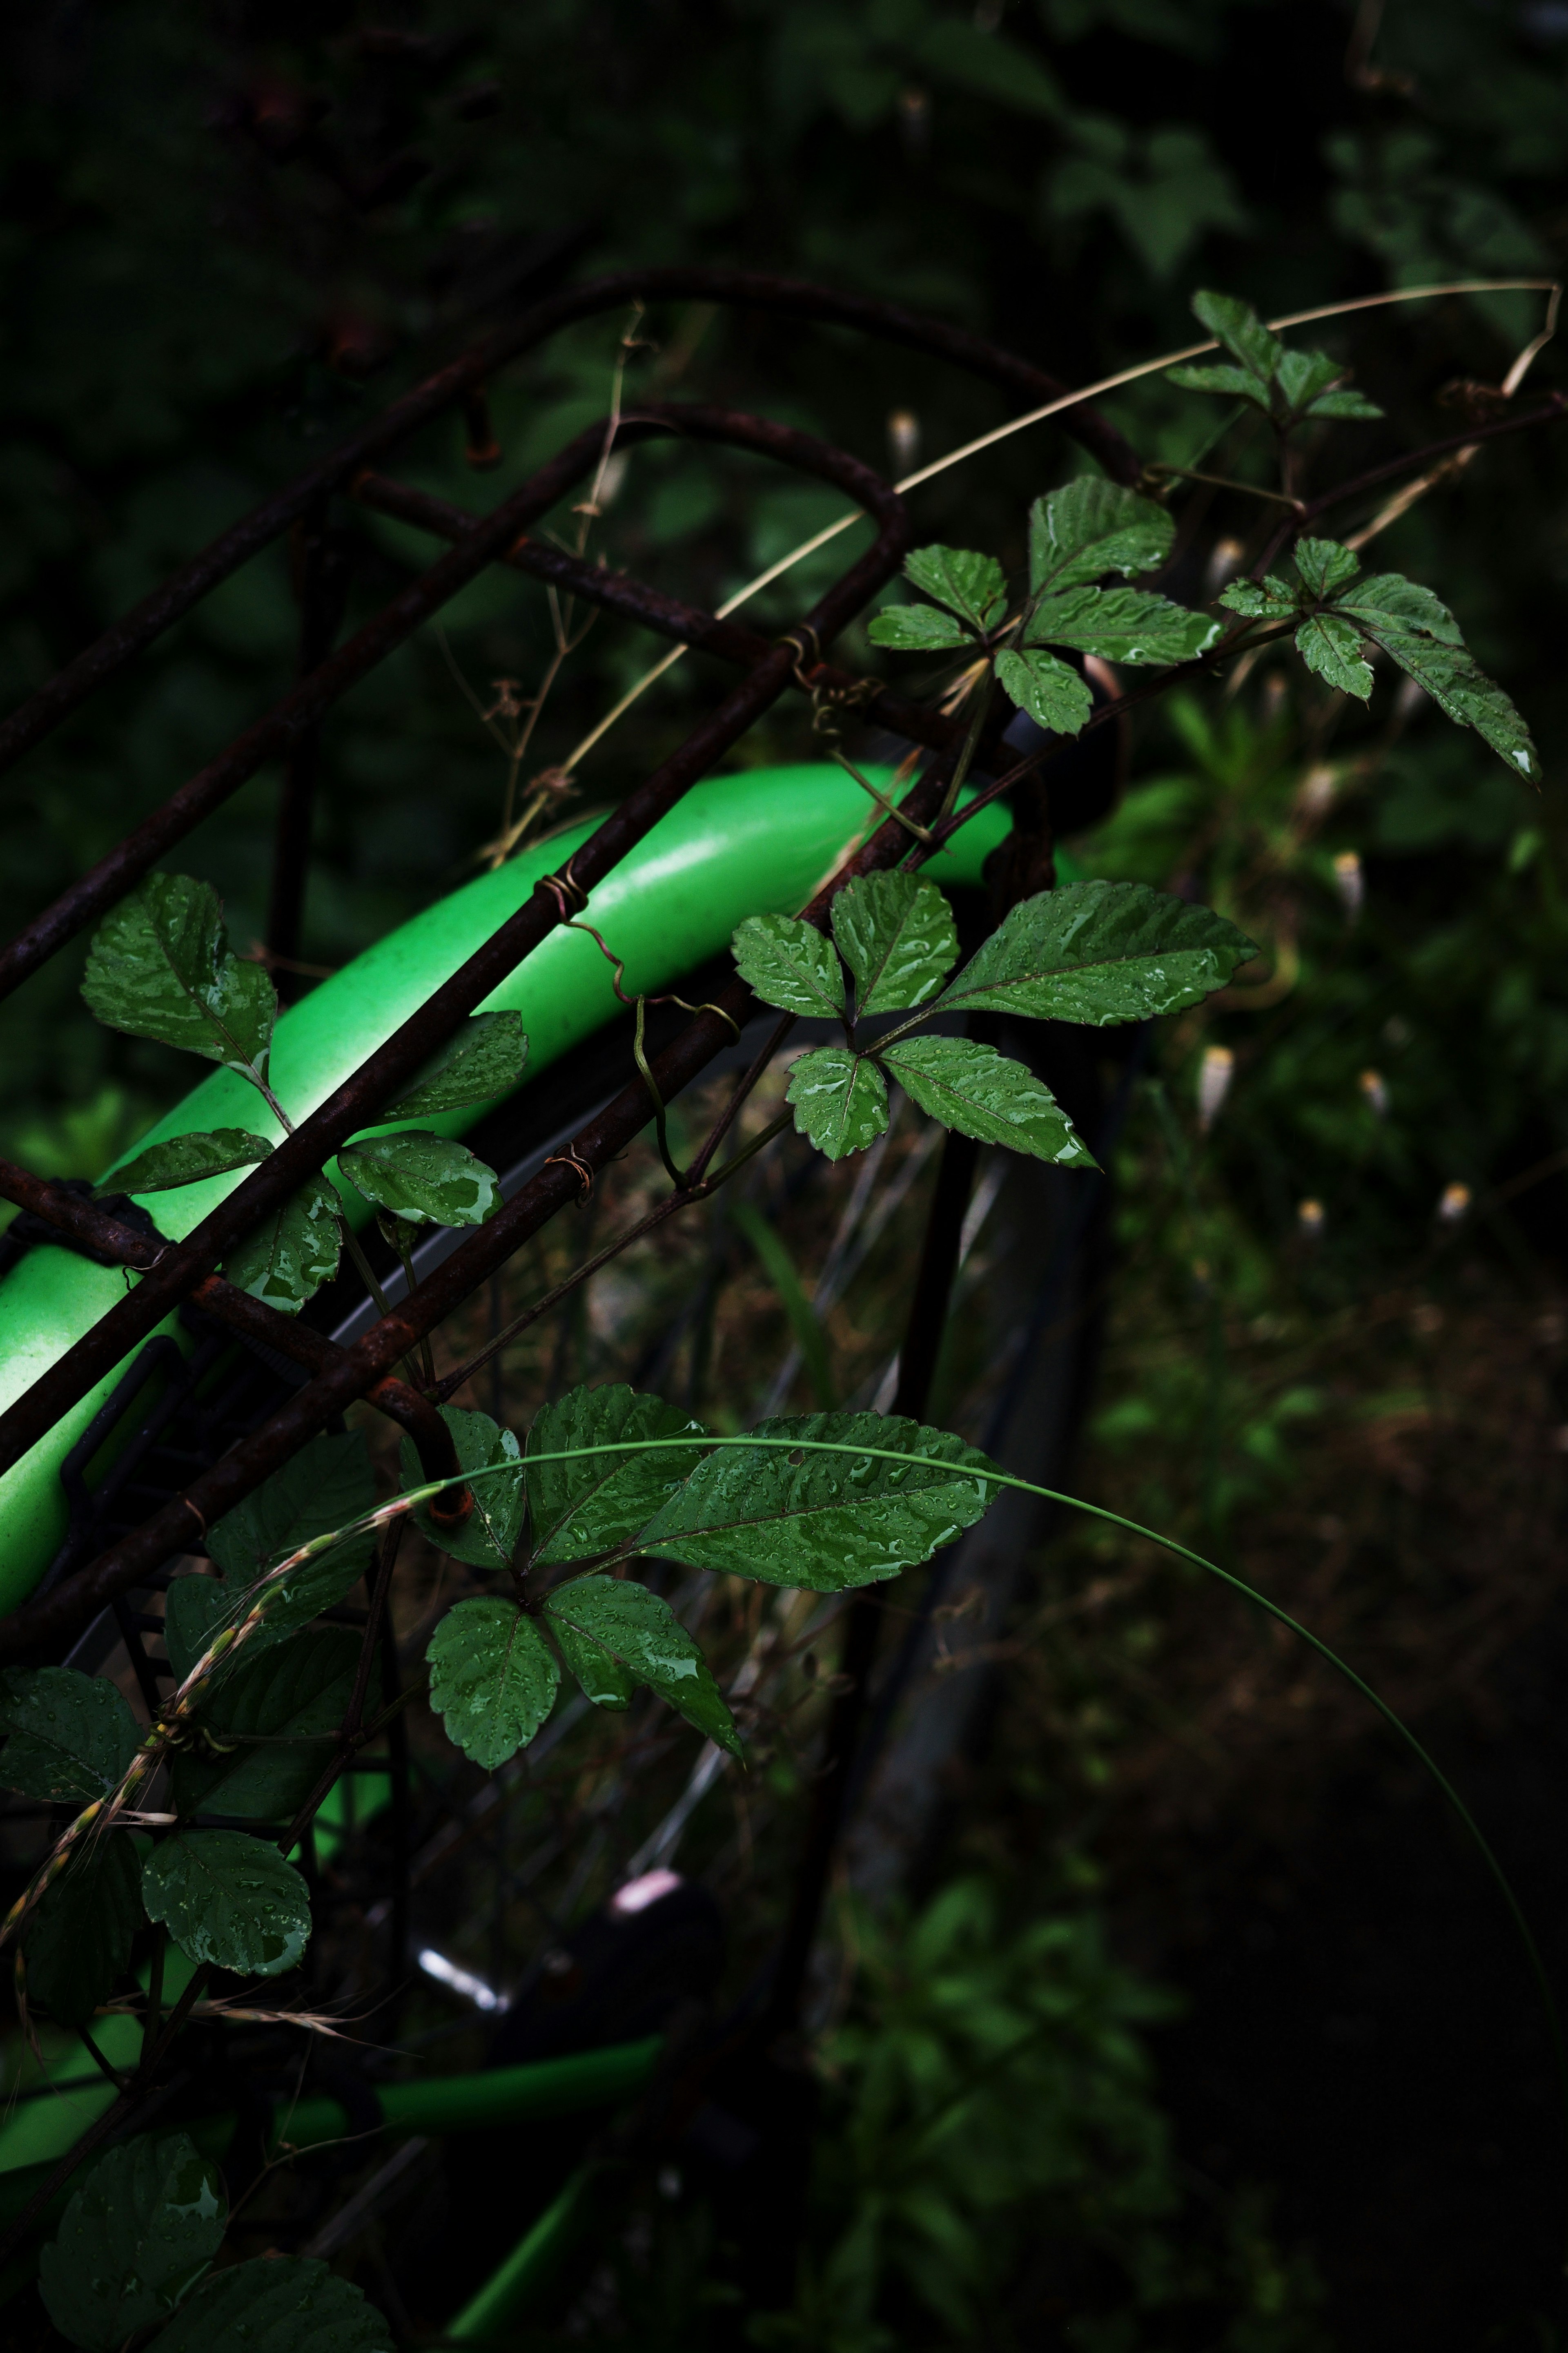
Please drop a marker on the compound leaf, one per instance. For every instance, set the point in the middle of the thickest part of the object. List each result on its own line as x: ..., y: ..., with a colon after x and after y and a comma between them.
x: 600, y: 1500
x: 791, y: 964
x: 228, y: 1898
x: 786, y: 1516
x: 974, y: 586
x: 161, y: 967
x: 486, y: 1059
x: 1051, y: 691
x: 277, y: 2303
x: 1421, y: 635
x: 77, y: 1942
x: 895, y: 935
x: 73, y: 1735
x: 430, y: 1180
x: 487, y: 1538
x: 493, y: 1678
x: 1123, y: 625
x: 1331, y: 645
x: 294, y: 1249
x: 642, y: 1635
x: 271, y: 1722
x: 916, y: 630
x: 840, y: 1100
x: 1091, y: 527
x: 146, y: 2223
x: 327, y: 1484
x: 1099, y: 951
x: 984, y: 1094
x: 186, y: 1160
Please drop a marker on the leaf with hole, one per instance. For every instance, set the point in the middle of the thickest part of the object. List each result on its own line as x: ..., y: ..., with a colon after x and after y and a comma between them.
x: 789, y: 964
x: 487, y: 1538
x: 1123, y: 624
x: 1051, y: 691
x: 72, y: 1735
x: 186, y: 1160
x: 1091, y: 527
x: 484, y: 1060
x: 265, y: 1731
x: 1421, y: 635
x: 77, y: 1943
x: 984, y: 1094
x: 895, y: 935
x: 840, y: 1100
x: 917, y: 629
x: 1099, y: 951
x: 428, y: 1179
x: 228, y: 1898
x: 274, y: 2304
x: 642, y: 1634
x: 786, y: 1516
x: 599, y: 1501
x: 493, y: 1678
x: 294, y: 1249
x: 1331, y: 648
x: 325, y: 1486
x: 974, y: 586
x: 161, y: 967
x: 146, y: 2222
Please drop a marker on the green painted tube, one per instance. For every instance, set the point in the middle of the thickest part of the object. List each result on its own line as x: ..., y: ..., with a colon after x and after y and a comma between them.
x: 755, y: 843
x: 530, y: 2266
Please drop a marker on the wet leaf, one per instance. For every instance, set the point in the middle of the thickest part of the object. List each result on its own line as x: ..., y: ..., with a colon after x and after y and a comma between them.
x: 72, y: 1735
x: 1123, y: 624
x: 840, y: 1100
x: 791, y: 964
x: 1330, y: 647
x: 916, y: 630
x: 274, y: 1716
x: 487, y: 1538
x: 824, y: 1520
x: 186, y: 1160
x: 895, y: 935
x: 984, y: 1094
x: 428, y: 1179
x: 1099, y: 951
x: 146, y: 2222
x: 228, y: 1898
x: 972, y: 585
x: 1421, y: 635
x: 195, y: 1608
x: 1051, y: 691
x: 77, y: 1942
x: 599, y: 1501
x: 325, y: 1486
x: 493, y: 1678
x: 1091, y: 527
x: 160, y: 966
x: 294, y: 1249
x: 642, y: 1634
x: 1324, y: 565
x: 485, y: 1059
x: 277, y: 2303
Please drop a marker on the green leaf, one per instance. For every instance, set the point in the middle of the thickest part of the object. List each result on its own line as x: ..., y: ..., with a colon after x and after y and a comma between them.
x: 974, y: 586
x: 1053, y: 693
x: 916, y: 630
x: 1238, y: 327
x: 294, y: 1249
x: 1123, y: 625
x: 787, y: 1516
x: 277, y: 2303
x: 428, y: 1179
x: 791, y: 964
x: 643, y: 1635
x: 599, y: 1501
x: 1421, y: 635
x: 193, y: 1610
x: 1270, y: 600
x: 1331, y: 645
x: 1306, y: 382
x: 487, y: 1538
x: 984, y: 1094
x: 1099, y: 951
x: 73, y: 1735
x: 895, y: 935
x: 1344, y: 403
x: 602, y: 1678
x: 1091, y: 527
x: 186, y: 1160
x: 840, y: 1100
x: 1232, y: 383
x: 228, y: 1898
x: 485, y: 1059
x: 327, y: 1484
x: 160, y: 966
x: 1324, y: 565
x: 296, y: 1693
x: 493, y: 1678
x: 146, y: 2223
x: 78, y: 1941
